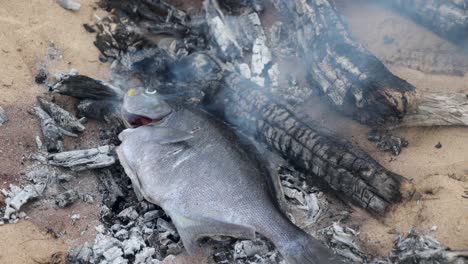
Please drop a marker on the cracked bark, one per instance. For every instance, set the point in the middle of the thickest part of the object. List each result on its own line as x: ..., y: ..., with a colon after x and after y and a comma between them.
x: 346, y: 169
x: 436, y: 109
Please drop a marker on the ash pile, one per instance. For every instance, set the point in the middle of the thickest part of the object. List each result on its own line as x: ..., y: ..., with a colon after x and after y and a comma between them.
x: 187, y: 64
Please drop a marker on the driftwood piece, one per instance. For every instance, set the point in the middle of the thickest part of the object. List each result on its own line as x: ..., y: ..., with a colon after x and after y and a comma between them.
x: 79, y: 160
x: 62, y: 117
x: 53, y: 136
x: 346, y: 169
x: 448, y: 18
x: 436, y: 109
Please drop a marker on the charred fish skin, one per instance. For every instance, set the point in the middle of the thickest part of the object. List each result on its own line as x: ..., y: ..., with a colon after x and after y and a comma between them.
x: 346, y: 169
x: 210, y: 186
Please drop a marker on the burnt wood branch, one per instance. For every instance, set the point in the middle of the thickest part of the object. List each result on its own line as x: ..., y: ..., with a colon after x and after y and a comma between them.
x: 346, y: 169
x: 154, y: 17
x: 84, y: 87
x: 52, y: 133
x: 62, y: 117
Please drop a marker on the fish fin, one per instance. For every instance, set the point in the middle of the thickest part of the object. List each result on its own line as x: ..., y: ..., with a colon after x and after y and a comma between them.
x: 192, y: 230
x: 306, y: 250
x: 167, y: 135
x: 124, y: 134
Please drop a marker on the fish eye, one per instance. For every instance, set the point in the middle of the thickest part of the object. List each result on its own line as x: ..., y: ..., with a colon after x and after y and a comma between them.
x: 151, y: 91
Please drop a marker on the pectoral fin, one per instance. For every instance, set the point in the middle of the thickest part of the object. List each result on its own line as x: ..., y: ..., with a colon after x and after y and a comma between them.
x: 160, y: 135
x: 167, y: 135
x: 192, y: 230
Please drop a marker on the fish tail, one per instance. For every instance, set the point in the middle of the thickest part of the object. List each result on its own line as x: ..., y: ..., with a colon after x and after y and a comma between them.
x: 304, y: 249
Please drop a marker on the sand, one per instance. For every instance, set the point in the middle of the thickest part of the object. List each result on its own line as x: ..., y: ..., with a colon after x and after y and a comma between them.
x: 441, y: 175
x: 27, y: 29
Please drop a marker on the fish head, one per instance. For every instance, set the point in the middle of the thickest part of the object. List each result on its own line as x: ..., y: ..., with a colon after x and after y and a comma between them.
x: 142, y: 107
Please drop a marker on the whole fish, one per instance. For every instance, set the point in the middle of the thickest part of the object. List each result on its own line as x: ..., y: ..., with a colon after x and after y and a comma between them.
x: 195, y: 169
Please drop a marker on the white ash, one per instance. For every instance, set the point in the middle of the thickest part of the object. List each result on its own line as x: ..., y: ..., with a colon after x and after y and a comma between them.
x: 16, y: 197
x: 134, y: 244
x: 145, y: 256
x: 246, y: 28
x: 225, y: 37
x: 344, y: 241
x: 79, y: 160
x: 138, y: 235
x: 418, y: 248
x: 67, y: 198
x: 59, y: 76
x: 248, y: 248
x: 3, y: 116
x: 75, y: 217
x: 129, y: 213
x: 69, y: 5
x: 283, y: 44
x: 257, y: 251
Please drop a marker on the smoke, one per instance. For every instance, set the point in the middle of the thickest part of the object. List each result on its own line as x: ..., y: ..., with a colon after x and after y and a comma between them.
x: 307, y: 49
x: 447, y: 18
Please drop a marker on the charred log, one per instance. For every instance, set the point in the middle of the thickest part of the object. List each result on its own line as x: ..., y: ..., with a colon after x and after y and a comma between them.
x: 114, y: 39
x: 344, y: 168
x: 448, y: 18
x: 352, y: 79
x: 84, y: 87
x: 151, y: 18
x: 62, y: 117
x: 52, y: 133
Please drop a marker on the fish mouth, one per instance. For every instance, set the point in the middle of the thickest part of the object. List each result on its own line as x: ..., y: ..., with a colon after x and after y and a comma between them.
x: 135, y: 120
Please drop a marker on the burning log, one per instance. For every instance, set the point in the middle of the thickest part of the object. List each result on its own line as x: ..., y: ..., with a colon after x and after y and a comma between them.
x: 346, y: 169
x: 448, y: 18
x: 353, y: 80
